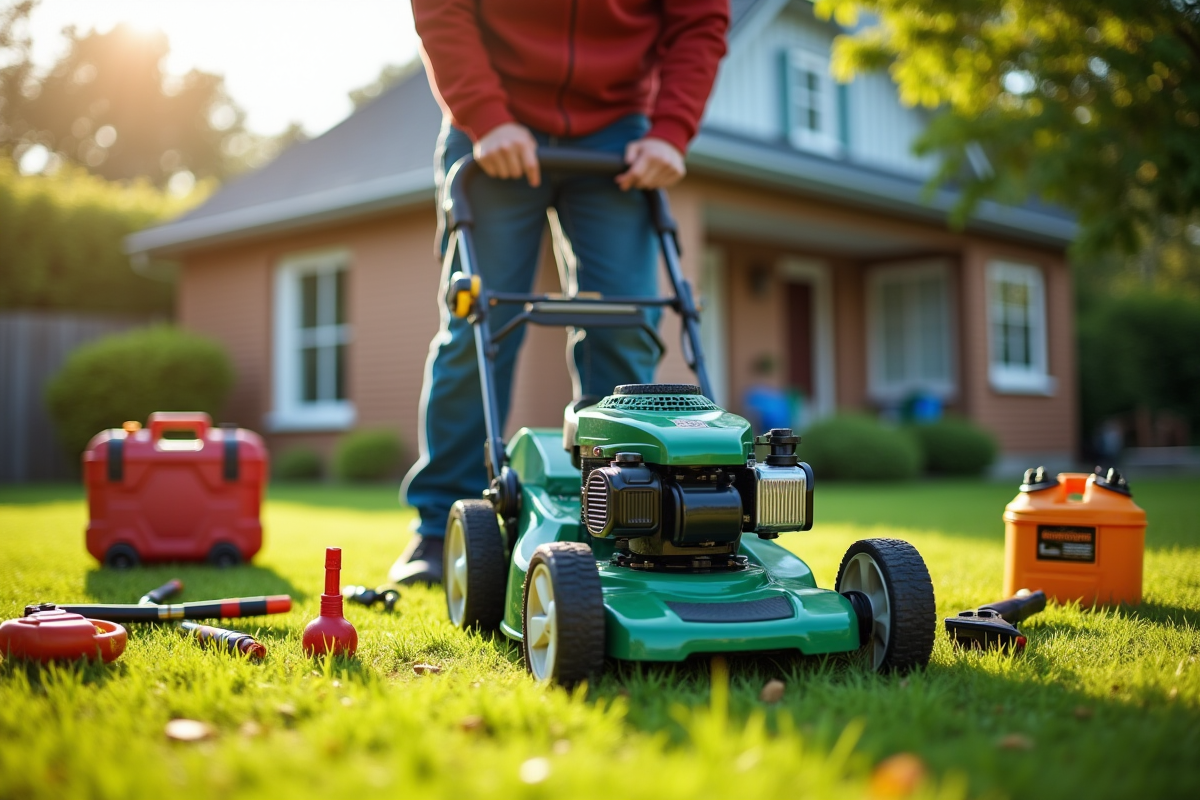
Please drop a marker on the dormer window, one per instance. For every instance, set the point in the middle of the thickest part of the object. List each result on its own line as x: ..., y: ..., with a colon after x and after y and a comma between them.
x: 810, y: 102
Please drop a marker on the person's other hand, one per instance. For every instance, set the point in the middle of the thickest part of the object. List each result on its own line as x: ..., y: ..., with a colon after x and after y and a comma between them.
x: 653, y: 164
x: 509, y: 151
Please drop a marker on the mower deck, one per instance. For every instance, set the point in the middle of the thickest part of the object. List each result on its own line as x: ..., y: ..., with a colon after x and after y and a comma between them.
x: 771, y: 604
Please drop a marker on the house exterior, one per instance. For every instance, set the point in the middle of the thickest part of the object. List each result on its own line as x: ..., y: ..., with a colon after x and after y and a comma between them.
x: 823, y: 266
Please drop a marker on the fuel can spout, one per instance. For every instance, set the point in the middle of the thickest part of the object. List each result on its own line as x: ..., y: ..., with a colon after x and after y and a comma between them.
x: 331, y: 632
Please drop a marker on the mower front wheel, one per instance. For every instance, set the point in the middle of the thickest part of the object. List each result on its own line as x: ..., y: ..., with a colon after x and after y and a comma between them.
x: 475, y: 573
x: 888, y: 584
x: 563, y: 614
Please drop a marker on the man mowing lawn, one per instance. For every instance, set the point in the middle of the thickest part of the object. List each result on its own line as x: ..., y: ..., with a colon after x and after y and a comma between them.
x: 618, y: 76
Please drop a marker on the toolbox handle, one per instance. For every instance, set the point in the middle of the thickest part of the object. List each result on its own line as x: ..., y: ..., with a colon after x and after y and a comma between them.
x: 196, y: 421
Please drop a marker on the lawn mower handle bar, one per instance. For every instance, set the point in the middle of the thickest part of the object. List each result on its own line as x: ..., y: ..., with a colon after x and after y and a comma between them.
x: 569, y: 160
x: 460, y: 222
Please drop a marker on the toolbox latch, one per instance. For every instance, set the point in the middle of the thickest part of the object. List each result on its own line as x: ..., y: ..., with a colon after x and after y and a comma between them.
x: 229, y: 432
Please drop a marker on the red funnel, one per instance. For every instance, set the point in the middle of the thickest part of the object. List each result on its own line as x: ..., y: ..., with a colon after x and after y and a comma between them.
x: 331, y: 632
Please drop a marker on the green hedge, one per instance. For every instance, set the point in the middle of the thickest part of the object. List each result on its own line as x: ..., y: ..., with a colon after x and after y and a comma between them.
x: 61, y: 243
x: 1141, y: 350
x: 860, y: 448
x: 130, y: 375
x: 297, y: 464
x: 367, y: 455
x: 953, y: 446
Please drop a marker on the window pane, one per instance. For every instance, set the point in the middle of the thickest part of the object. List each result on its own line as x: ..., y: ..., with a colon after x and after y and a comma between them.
x: 893, y: 332
x: 811, y: 81
x: 308, y: 301
x: 814, y: 120
x: 931, y: 327
x: 339, y: 297
x: 308, y: 375
x: 339, y: 369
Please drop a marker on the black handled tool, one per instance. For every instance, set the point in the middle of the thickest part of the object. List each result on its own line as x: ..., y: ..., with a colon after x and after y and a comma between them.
x: 162, y: 594
x: 387, y: 594
x: 994, y: 625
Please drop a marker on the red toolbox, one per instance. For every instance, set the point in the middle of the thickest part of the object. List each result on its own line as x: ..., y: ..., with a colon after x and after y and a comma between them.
x: 177, y: 490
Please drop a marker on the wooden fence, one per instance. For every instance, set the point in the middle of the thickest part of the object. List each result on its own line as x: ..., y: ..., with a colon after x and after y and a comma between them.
x: 33, y: 347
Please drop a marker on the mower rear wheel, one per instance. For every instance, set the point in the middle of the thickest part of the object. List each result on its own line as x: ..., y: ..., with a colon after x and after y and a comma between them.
x: 475, y: 566
x: 563, y: 614
x: 892, y: 576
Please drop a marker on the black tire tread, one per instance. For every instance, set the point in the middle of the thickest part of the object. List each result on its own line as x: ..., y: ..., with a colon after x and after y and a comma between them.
x: 579, y: 604
x: 910, y: 592
x: 487, y: 573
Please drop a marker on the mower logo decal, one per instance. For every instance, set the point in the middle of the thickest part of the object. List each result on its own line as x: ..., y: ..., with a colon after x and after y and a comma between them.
x: 690, y: 423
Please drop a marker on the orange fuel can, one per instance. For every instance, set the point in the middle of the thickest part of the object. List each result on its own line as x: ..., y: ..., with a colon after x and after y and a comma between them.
x: 1077, y: 537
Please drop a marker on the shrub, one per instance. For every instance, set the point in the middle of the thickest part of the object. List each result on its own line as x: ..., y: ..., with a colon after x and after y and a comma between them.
x: 130, y: 375
x: 953, y: 446
x: 368, y: 455
x: 297, y: 464
x: 61, y: 242
x: 857, y: 447
x: 1140, y: 351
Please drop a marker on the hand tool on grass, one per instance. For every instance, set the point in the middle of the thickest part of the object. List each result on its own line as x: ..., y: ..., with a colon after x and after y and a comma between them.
x: 387, y: 594
x: 163, y: 593
x: 233, y: 641
x: 331, y: 632
x: 52, y: 634
x: 229, y: 608
x: 994, y: 626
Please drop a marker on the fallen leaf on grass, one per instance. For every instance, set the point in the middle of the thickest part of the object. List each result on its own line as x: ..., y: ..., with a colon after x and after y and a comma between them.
x: 560, y: 747
x: 1015, y: 741
x: 189, y: 730
x: 1171, y: 695
x: 773, y: 691
x: 286, y: 710
x: 250, y: 729
x: 471, y: 723
x: 897, y: 776
x: 1083, y: 712
x: 426, y: 669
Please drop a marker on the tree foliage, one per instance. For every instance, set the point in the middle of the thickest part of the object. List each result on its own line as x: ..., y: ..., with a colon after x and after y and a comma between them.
x: 1092, y: 104
x: 61, y: 242
x: 108, y: 105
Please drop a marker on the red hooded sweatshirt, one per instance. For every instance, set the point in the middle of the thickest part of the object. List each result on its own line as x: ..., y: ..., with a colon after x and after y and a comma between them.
x: 570, y: 67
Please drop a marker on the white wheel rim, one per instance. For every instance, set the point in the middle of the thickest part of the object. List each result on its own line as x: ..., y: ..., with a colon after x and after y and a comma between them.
x: 456, y: 575
x: 541, y: 624
x: 862, y: 574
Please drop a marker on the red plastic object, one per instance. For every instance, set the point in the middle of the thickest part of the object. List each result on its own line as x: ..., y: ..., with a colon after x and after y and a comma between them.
x: 331, y: 632
x: 60, y: 635
x: 156, y: 498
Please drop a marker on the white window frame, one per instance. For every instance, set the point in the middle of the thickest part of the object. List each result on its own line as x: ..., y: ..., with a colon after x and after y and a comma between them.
x: 825, y: 140
x: 1033, y: 378
x: 290, y: 413
x: 880, y: 388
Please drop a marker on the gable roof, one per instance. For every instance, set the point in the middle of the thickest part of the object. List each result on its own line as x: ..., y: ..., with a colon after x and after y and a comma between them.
x: 380, y: 158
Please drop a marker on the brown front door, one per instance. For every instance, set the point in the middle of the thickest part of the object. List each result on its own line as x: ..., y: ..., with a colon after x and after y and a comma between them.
x: 800, y: 320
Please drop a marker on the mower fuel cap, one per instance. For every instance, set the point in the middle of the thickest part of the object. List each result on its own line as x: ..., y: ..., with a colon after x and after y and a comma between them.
x: 47, y: 633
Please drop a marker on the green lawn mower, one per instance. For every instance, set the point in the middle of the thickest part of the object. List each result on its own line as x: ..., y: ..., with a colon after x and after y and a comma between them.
x: 642, y: 529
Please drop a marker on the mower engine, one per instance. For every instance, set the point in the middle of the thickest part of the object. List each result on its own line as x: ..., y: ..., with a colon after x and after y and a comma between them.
x: 674, y: 479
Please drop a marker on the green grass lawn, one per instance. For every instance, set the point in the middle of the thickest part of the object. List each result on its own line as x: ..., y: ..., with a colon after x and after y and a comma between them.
x: 1103, y: 703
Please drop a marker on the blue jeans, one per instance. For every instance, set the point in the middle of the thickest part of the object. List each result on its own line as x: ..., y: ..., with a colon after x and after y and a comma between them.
x: 612, y: 250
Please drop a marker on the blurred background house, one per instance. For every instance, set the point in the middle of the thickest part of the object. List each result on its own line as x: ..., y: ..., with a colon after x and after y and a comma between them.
x: 823, y: 268
x: 839, y: 271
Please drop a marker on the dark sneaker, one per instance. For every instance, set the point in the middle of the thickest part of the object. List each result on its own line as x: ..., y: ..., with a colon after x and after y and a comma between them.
x: 421, y: 562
